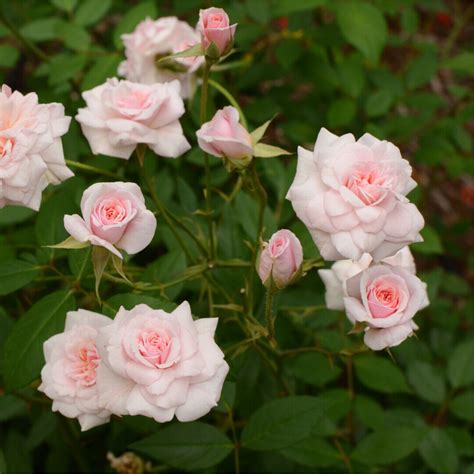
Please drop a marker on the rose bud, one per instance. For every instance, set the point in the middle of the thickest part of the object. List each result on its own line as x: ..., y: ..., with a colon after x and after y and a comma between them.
x: 385, y: 299
x: 281, y: 259
x: 114, y: 216
x: 215, y: 30
x: 69, y: 376
x: 225, y: 137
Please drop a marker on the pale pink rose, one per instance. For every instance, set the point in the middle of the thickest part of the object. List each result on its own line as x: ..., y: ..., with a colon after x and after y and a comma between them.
x: 114, y: 216
x: 31, y: 152
x: 351, y: 196
x: 281, y: 258
x: 160, y: 364
x: 163, y: 37
x: 122, y: 114
x: 334, y: 278
x: 215, y: 27
x: 385, y: 298
x: 69, y: 376
x: 224, y: 136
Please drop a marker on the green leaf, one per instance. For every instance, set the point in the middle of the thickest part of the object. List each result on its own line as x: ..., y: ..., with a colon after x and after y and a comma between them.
x: 463, y: 62
x: 439, y: 452
x: 74, y: 36
x: 387, y: 445
x: 341, y: 112
x: 313, y: 452
x: 314, y: 369
x: 259, y: 132
x: 91, y: 11
x: 70, y: 243
x: 24, y: 347
x: 64, y: 67
x: 131, y: 19
x: 11, y: 407
x: 101, y: 70
x: 410, y: 20
x: 427, y: 381
x: 189, y: 446
x: 3, y: 463
x: 14, y: 214
x: 287, y: 52
x: 41, y: 30
x: 66, y: 5
x: 129, y: 300
x: 15, y: 274
x: 363, y: 26
x: 460, y: 371
x: 463, y: 406
x: 8, y: 55
x: 379, y: 103
x: 195, y: 50
x: 282, y: 423
x: 369, y: 412
x: 285, y: 7
x: 421, y: 70
x: 262, y: 150
x: 227, y: 399
x: 431, y: 244
x: 100, y: 259
x: 380, y: 374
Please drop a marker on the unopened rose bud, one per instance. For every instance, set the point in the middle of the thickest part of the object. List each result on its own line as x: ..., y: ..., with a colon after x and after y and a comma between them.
x: 281, y: 259
x: 217, y: 35
x: 225, y: 137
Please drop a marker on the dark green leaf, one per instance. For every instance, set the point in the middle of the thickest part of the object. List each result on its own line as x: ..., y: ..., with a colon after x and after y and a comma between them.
x: 15, y: 274
x: 463, y: 406
x: 427, y: 381
x: 129, y: 300
x: 313, y: 452
x: 10, y: 407
x: 315, y: 369
x: 285, y: 7
x: 101, y: 70
x: 91, y: 11
x: 439, y: 452
x: 24, y: 347
x: 463, y: 62
x: 8, y: 55
x: 341, y: 112
x: 460, y: 372
x: 41, y: 30
x: 189, y: 446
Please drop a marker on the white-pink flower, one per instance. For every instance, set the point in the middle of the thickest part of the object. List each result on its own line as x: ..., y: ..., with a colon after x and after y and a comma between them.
x: 162, y: 37
x: 160, y: 364
x: 351, y: 196
x: 224, y: 136
x: 69, y: 376
x: 215, y: 27
x: 281, y: 258
x: 31, y: 152
x: 114, y: 216
x: 122, y: 114
x: 335, y: 278
x: 385, y: 298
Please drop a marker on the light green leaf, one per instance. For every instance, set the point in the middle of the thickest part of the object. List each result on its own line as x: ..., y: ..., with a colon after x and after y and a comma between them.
x: 101, y: 70
x: 189, y: 446
x: 432, y: 243
x: 66, y: 5
x: 439, y: 452
x: 74, y: 36
x: 460, y: 370
x: 41, y: 30
x: 463, y: 406
x: 195, y: 50
x: 69, y: 243
x: 91, y: 11
x: 15, y: 274
x: 100, y: 259
x: 387, y: 446
x: 24, y: 347
x: 262, y: 150
x: 463, y: 62
x: 258, y: 133
x: 282, y: 423
x: 363, y: 26
x: 380, y: 374
x: 427, y: 381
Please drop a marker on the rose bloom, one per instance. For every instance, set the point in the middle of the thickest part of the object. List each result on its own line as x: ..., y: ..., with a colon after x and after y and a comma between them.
x: 153, y: 39
x: 224, y: 136
x: 281, y: 258
x: 160, y: 364
x: 114, y: 216
x: 214, y: 26
x: 335, y: 277
x: 69, y: 376
x: 31, y: 152
x: 385, y: 298
x: 122, y: 114
x: 351, y: 196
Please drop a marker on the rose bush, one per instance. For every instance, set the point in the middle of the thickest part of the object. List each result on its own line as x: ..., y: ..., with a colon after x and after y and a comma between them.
x: 101, y: 370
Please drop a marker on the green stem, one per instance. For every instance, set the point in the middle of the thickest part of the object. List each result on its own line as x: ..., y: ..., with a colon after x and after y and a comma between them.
x: 269, y: 313
x: 203, y: 118
x: 218, y: 87
x: 93, y: 169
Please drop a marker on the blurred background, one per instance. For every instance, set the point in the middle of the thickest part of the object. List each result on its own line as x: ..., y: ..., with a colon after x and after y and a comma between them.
x: 402, y: 70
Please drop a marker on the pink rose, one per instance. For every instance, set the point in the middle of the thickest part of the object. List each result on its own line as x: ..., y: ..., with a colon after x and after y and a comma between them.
x: 215, y: 28
x: 385, y: 298
x: 335, y: 278
x: 121, y: 114
x: 114, y: 216
x: 223, y: 136
x: 31, y: 152
x: 351, y: 196
x: 160, y: 364
x: 281, y: 258
x: 155, y: 38
x: 69, y: 376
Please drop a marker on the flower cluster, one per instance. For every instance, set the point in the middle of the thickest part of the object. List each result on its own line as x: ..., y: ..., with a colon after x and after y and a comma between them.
x: 351, y: 195
x: 144, y: 362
